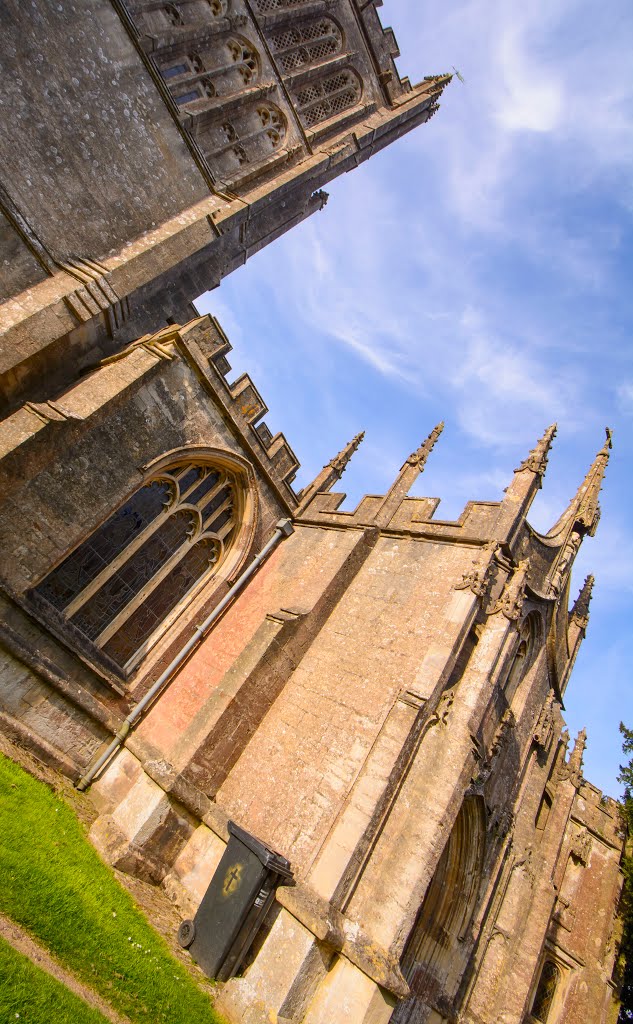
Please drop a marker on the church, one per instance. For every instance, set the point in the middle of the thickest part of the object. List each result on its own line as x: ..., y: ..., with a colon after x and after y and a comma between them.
x: 377, y: 694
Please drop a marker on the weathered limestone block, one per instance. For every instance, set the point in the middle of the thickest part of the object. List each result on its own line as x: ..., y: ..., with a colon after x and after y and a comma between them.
x: 349, y: 995
x: 145, y: 831
x: 262, y: 994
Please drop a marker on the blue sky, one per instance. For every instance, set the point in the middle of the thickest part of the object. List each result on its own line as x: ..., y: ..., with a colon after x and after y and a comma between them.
x: 478, y: 271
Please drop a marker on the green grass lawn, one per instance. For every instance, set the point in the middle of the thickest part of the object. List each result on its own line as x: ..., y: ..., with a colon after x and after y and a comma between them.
x: 29, y: 995
x: 53, y: 884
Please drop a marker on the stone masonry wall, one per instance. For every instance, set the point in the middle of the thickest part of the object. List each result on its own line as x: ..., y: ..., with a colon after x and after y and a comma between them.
x: 65, y: 467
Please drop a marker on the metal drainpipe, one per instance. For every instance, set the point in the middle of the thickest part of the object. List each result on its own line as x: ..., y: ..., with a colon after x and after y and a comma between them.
x: 284, y: 529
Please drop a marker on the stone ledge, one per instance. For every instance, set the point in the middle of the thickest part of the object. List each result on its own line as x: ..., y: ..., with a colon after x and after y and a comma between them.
x: 325, y: 922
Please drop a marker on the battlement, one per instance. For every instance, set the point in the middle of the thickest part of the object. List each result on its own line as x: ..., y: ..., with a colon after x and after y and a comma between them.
x: 243, y: 401
x: 203, y: 343
x: 601, y: 814
x: 384, y: 48
x: 413, y: 516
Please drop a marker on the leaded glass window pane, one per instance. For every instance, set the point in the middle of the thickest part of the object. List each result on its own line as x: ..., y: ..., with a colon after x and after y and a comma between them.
x: 133, y: 575
x: 188, y: 97
x: 84, y: 565
x: 175, y: 69
x: 121, y: 583
x: 142, y: 623
x: 187, y: 479
x: 210, y: 510
x: 544, y: 997
x: 221, y: 520
x: 202, y: 489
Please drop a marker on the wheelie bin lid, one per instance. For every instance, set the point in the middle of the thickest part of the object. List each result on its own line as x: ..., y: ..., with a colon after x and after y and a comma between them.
x: 271, y: 860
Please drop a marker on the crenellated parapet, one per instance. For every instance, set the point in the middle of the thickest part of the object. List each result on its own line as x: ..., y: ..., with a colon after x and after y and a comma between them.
x: 508, y: 563
x: 600, y: 814
x: 203, y: 340
x: 204, y: 345
x: 384, y: 48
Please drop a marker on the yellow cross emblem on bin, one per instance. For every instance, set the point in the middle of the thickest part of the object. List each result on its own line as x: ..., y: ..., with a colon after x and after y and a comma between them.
x: 232, y: 879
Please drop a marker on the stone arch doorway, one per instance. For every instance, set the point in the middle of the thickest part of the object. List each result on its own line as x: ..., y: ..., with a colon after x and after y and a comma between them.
x: 434, y: 956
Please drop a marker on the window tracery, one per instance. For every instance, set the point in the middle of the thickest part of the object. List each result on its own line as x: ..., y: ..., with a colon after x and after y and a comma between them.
x: 328, y: 96
x: 307, y: 44
x: 156, y: 16
x: 273, y: 124
x: 548, y: 983
x: 243, y: 56
x: 248, y: 138
x: 119, y: 586
x: 219, y: 72
x: 173, y: 15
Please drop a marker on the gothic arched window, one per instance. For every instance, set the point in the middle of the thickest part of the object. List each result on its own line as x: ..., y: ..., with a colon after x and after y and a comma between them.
x: 217, y: 71
x: 308, y: 43
x: 121, y: 585
x: 250, y: 137
x: 548, y: 983
x: 328, y: 97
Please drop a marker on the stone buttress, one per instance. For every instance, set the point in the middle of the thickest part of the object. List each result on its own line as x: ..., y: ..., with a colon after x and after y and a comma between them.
x: 382, y: 704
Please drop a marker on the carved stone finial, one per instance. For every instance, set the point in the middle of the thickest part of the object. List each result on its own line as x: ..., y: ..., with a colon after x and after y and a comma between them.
x: 339, y: 462
x: 536, y: 461
x: 405, y: 479
x: 419, y: 457
x: 441, y: 714
x: 565, y: 562
x: 508, y: 722
x: 574, y: 765
x: 584, y: 510
x: 588, y: 513
x: 330, y: 473
x: 580, y: 611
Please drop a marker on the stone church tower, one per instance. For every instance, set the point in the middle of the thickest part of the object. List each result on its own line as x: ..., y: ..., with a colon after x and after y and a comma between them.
x: 376, y: 693
x: 171, y: 142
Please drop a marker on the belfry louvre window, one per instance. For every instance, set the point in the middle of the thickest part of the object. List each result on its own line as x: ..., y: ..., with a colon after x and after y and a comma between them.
x: 307, y: 44
x: 328, y: 96
x: 266, y: 6
x: 550, y: 977
x: 121, y: 585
